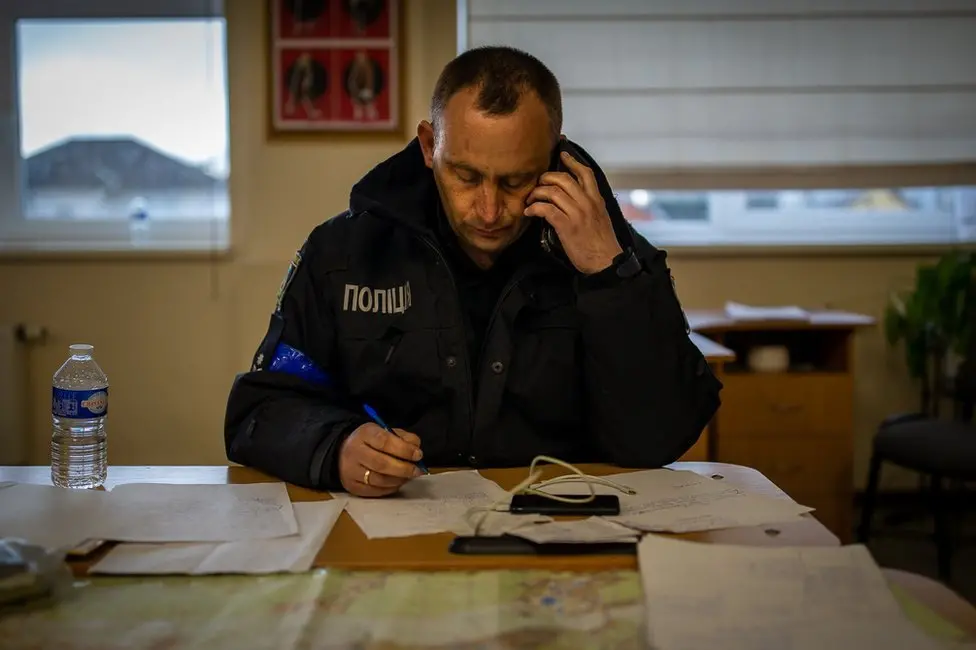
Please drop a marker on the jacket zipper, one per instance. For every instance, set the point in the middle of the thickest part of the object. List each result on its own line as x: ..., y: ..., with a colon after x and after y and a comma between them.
x: 509, y: 287
x: 467, y: 361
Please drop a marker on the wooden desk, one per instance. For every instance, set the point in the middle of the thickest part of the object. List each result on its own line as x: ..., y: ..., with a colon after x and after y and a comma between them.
x: 348, y: 548
x: 797, y: 426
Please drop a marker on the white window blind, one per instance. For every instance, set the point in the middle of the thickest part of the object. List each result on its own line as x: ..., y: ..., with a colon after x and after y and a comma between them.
x: 792, y: 96
x: 692, y: 83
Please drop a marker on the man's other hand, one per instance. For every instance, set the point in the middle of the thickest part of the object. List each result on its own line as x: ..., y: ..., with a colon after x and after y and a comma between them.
x: 388, y: 458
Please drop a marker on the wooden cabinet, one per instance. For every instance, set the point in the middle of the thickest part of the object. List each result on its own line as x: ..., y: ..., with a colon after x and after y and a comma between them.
x: 795, y: 425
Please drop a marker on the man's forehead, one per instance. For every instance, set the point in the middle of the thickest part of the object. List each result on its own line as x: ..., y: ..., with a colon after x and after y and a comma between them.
x: 502, y: 150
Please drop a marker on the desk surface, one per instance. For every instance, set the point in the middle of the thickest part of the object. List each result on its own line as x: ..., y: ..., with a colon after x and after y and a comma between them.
x: 348, y: 548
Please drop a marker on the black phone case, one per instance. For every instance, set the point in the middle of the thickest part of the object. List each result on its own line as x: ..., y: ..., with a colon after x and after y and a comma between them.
x: 602, y: 505
x: 548, y: 239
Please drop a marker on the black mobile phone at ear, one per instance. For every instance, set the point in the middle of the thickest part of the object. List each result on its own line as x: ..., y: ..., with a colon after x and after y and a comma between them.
x: 548, y: 238
x: 533, y: 504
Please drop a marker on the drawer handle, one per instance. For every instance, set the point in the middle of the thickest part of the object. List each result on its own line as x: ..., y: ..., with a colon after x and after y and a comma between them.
x: 786, y: 408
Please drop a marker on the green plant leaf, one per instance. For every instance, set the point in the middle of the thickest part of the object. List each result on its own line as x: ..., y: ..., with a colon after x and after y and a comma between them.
x: 940, y: 309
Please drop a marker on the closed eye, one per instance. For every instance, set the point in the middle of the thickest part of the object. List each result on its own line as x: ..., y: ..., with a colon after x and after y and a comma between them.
x: 467, y: 177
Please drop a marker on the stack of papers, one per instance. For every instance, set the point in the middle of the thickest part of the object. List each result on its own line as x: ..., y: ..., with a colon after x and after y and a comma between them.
x: 746, y: 312
x: 193, y: 528
x: 744, y: 598
x: 292, y: 554
x: 665, y: 501
x: 791, y: 312
x: 679, y: 501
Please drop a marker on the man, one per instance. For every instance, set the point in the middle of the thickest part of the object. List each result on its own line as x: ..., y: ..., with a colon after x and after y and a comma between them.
x: 431, y: 300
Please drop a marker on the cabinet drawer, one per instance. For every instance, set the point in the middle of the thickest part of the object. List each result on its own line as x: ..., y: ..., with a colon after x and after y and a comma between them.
x: 835, y: 511
x: 799, y: 465
x: 774, y: 404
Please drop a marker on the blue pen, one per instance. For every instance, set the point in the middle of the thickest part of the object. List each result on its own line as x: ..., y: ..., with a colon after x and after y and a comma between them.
x: 378, y: 420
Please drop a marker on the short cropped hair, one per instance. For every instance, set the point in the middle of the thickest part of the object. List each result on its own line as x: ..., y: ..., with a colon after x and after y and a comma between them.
x: 502, y: 75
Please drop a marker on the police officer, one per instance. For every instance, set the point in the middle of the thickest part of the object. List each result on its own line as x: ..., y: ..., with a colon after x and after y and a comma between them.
x: 485, y: 295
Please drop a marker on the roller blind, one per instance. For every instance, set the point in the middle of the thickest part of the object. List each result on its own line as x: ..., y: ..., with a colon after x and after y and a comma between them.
x: 697, y: 85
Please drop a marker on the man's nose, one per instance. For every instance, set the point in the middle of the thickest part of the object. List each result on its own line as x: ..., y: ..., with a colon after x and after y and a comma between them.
x: 491, y: 204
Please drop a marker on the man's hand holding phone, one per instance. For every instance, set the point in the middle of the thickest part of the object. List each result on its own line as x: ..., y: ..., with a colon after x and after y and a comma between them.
x: 572, y: 204
x: 375, y: 463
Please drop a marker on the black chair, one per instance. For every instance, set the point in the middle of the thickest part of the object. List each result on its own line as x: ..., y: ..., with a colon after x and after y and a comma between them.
x: 942, y: 449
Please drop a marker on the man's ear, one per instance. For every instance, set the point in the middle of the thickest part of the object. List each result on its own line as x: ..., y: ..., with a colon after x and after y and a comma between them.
x: 425, y: 134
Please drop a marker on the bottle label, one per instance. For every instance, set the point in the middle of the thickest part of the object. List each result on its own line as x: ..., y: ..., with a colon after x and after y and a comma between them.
x: 81, y: 404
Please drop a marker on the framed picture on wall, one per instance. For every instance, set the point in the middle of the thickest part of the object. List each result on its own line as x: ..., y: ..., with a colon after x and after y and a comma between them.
x: 334, y: 66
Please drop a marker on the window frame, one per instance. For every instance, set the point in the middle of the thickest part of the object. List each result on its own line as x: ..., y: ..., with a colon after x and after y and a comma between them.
x: 732, y: 224
x: 17, y: 232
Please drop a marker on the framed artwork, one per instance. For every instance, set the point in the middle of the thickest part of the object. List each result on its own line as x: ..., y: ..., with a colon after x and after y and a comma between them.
x: 335, y: 65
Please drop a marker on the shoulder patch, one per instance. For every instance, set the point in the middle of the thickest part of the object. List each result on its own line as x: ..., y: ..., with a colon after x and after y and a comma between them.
x: 289, y: 276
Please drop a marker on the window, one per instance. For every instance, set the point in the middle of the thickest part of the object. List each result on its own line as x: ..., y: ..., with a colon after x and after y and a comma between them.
x: 764, y: 122
x: 121, y: 132
x: 903, y: 215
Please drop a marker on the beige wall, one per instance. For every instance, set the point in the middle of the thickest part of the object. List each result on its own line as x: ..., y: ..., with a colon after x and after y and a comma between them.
x: 171, y: 333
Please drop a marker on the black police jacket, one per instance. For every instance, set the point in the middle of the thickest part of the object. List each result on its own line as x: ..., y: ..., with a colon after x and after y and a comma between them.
x: 595, y: 368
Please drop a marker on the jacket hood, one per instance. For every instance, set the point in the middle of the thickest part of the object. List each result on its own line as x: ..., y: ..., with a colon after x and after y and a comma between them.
x: 402, y: 188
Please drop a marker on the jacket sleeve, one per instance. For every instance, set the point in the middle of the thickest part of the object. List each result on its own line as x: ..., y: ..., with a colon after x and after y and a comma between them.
x: 649, y: 391
x: 286, y: 416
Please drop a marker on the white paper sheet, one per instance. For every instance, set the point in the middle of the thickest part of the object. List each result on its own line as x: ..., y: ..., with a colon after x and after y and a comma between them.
x: 583, y: 531
x: 840, y: 318
x: 52, y: 517
x: 293, y: 554
x: 429, y: 504
x: 739, y: 311
x: 751, y: 598
x: 680, y: 501
x: 495, y: 524
x: 149, y: 512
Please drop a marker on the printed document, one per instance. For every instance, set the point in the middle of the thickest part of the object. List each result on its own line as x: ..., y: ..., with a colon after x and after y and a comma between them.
x: 148, y: 512
x: 48, y: 516
x: 292, y: 554
x: 679, y: 501
x: 429, y: 504
x: 751, y: 598
x: 59, y: 518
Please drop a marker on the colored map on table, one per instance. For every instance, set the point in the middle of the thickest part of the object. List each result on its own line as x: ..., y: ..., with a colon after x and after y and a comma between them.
x: 331, y: 609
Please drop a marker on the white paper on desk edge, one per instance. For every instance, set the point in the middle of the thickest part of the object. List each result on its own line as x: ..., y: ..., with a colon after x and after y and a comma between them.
x: 204, y: 558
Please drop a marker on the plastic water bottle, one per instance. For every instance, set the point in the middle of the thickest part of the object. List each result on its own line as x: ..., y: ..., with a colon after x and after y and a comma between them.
x: 79, y: 405
x: 139, y: 222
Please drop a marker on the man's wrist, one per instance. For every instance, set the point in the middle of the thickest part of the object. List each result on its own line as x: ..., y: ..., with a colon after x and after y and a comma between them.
x: 623, y: 267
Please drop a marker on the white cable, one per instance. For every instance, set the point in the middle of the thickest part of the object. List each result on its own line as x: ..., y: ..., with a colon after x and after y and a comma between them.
x: 531, y: 486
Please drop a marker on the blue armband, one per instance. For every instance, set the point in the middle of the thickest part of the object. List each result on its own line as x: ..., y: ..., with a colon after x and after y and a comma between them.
x: 294, y: 362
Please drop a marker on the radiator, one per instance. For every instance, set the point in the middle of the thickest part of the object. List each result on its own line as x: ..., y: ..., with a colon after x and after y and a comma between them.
x: 13, y: 396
